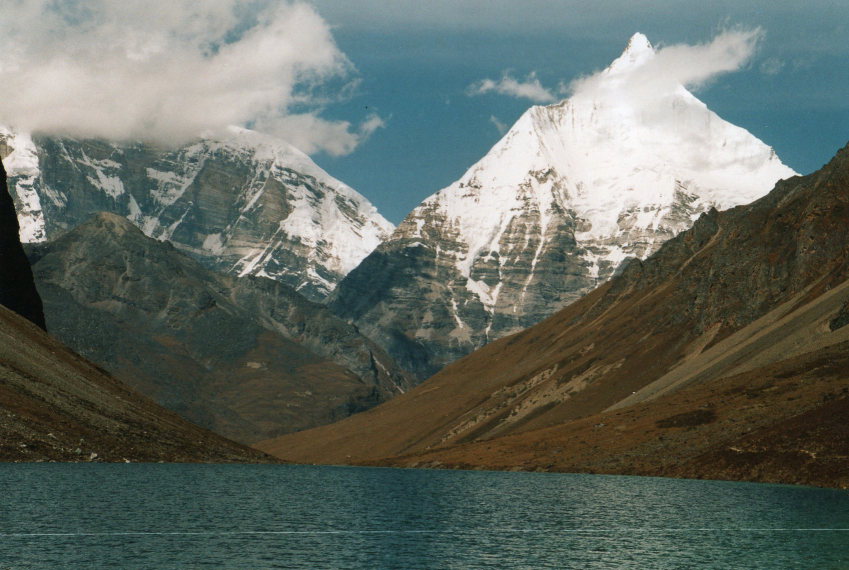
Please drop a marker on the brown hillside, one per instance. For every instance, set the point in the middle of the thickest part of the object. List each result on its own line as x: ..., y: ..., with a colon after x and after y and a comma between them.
x: 55, y: 405
x: 783, y: 423
x: 743, y: 289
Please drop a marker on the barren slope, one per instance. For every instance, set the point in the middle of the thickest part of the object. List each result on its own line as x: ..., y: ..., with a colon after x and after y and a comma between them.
x: 783, y: 423
x: 771, y: 272
x: 55, y: 405
x: 246, y: 357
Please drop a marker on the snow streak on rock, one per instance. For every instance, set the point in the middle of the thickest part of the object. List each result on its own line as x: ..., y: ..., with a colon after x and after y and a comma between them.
x: 570, y: 192
x: 246, y: 203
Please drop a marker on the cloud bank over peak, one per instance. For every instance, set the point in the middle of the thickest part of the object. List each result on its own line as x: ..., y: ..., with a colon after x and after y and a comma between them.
x: 642, y: 75
x: 167, y: 71
x: 530, y: 88
x: 666, y: 69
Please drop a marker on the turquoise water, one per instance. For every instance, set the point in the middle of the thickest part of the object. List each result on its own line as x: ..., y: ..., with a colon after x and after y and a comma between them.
x: 249, y: 516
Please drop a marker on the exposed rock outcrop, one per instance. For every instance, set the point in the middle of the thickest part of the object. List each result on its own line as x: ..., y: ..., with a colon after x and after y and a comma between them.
x: 17, y: 288
x: 246, y: 357
x: 715, y: 357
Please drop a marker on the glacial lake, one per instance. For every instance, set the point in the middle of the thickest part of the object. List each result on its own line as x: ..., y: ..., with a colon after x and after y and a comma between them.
x: 265, y: 516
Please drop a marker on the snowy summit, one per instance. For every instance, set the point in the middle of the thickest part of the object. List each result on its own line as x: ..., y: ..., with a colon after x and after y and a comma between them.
x: 244, y: 202
x: 629, y: 171
x: 571, y: 190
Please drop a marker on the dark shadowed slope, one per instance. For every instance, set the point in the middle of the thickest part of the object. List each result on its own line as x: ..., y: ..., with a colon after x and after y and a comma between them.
x: 17, y: 289
x: 742, y: 290
x: 246, y: 357
x: 55, y: 405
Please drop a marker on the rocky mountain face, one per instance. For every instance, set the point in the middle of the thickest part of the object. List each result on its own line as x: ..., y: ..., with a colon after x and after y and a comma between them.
x: 244, y: 204
x: 17, y: 288
x: 721, y: 355
x: 569, y: 193
x: 246, y: 357
x: 55, y: 405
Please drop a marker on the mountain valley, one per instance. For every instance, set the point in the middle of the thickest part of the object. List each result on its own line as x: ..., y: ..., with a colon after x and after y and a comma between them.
x: 626, y: 283
x: 718, y: 355
x: 57, y: 406
x: 246, y: 357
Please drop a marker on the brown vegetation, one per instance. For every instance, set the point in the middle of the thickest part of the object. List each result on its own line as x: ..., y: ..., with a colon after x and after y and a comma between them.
x: 723, y: 338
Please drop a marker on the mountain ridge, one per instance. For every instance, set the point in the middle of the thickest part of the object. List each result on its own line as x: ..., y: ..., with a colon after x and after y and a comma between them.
x: 247, y: 357
x: 569, y: 193
x: 732, y: 333
x: 244, y: 203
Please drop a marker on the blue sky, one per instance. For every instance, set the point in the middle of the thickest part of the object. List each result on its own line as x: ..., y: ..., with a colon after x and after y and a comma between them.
x: 416, y: 61
x: 386, y: 94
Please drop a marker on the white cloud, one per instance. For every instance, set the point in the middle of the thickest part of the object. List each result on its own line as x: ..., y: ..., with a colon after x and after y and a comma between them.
x: 530, y: 88
x: 658, y: 73
x: 692, y: 66
x: 371, y: 124
x: 167, y: 70
x: 500, y: 125
x: 311, y: 134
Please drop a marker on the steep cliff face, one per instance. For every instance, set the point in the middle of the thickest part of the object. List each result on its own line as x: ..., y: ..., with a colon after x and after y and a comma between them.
x: 17, y: 288
x: 731, y: 337
x: 245, y: 204
x: 569, y: 193
x: 246, y: 357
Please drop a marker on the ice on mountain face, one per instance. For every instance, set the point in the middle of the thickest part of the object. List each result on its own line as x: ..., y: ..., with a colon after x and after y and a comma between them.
x: 570, y: 192
x: 619, y: 167
x: 335, y: 226
x: 244, y: 202
x: 22, y: 167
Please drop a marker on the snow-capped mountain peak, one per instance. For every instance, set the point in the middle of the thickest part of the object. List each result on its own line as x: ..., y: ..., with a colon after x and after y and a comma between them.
x: 619, y: 165
x: 638, y: 51
x: 566, y: 195
x: 242, y: 202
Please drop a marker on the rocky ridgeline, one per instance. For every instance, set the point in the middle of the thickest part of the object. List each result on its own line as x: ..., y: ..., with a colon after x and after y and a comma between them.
x: 17, y: 287
x: 244, y: 204
x: 569, y: 193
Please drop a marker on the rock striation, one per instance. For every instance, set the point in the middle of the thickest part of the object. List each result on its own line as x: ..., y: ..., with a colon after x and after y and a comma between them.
x: 243, y: 203
x: 569, y: 193
x: 724, y: 354
x: 246, y: 357
x: 17, y: 287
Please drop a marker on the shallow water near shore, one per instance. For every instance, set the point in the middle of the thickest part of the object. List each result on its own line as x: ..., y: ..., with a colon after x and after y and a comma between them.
x: 271, y: 516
